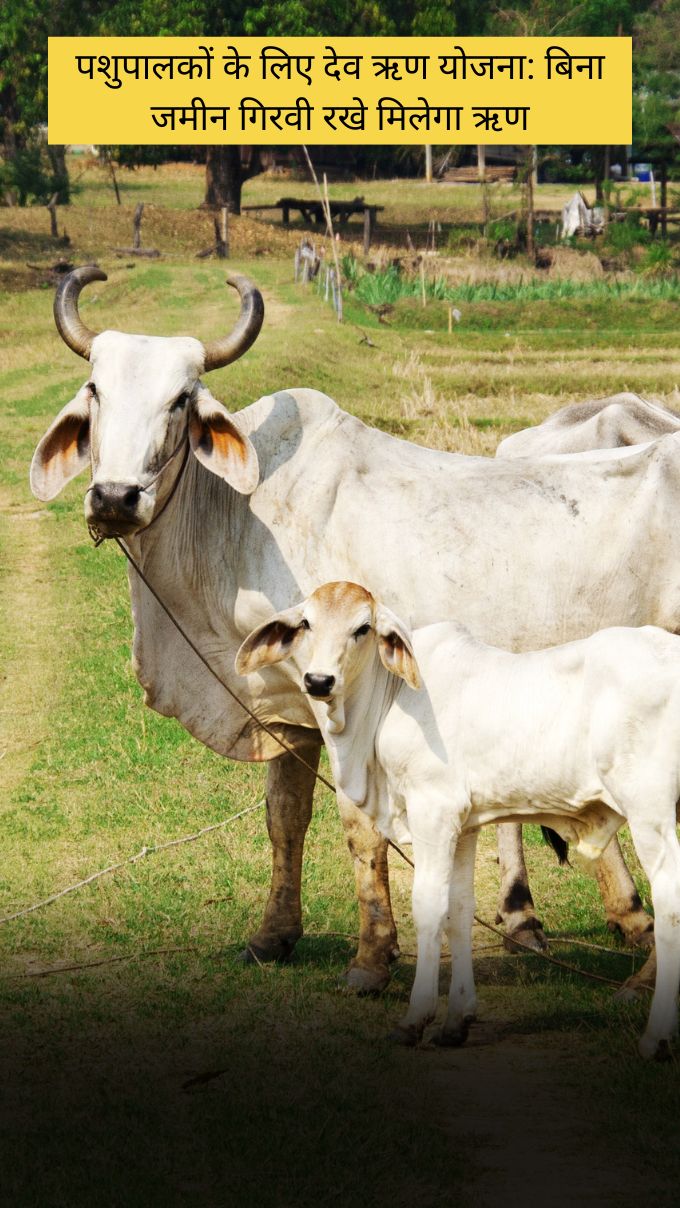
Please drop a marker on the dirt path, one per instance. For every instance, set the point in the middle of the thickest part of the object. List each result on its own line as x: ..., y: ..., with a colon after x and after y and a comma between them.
x: 28, y: 681
x: 516, y: 1103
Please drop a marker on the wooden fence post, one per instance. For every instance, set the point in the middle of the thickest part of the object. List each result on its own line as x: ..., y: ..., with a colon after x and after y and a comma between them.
x: 367, y: 231
x: 52, y: 209
x: 137, y: 226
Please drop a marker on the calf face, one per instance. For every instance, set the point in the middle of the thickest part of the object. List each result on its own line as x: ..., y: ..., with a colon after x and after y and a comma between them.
x: 331, y: 638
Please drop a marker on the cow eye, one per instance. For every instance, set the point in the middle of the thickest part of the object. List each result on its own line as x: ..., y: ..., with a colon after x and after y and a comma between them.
x: 363, y: 629
x: 304, y: 624
x: 181, y: 401
x: 92, y: 389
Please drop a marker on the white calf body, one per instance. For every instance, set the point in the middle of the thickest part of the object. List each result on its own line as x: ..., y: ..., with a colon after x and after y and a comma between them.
x: 581, y: 737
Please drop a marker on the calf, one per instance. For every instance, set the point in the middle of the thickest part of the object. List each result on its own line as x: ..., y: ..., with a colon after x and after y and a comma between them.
x: 433, y: 733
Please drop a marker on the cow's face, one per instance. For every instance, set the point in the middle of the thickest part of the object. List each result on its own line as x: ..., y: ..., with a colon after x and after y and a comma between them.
x: 331, y: 639
x: 141, y: 412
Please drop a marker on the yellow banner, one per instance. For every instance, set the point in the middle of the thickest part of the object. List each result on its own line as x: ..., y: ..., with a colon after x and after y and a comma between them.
x: 340, y: 90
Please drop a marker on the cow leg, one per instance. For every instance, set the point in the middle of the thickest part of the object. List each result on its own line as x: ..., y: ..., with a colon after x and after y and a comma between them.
x: 621, y: 899
x: 462, y: 997
x: 658, y: 849
x: 290, y: 789
x: 516, y: 905
x: 369, y: 971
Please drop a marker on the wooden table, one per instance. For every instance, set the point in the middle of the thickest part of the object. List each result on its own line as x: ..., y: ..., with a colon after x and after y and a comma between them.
x: 312, y: 212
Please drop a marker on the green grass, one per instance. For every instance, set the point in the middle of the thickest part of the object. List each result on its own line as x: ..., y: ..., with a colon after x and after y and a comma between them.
x: 183, y: 1076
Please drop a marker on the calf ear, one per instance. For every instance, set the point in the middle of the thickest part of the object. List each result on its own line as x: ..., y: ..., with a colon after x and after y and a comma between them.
x: 64, y: 449
x: 270, y: 643
x: 219, y: 445
x: 394, y: 646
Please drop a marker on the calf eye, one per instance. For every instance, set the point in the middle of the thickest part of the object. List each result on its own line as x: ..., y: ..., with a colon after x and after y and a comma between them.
x: 359, y: 633
x: 304, y: 624
x: 92, y: 389
x: 180, y: 401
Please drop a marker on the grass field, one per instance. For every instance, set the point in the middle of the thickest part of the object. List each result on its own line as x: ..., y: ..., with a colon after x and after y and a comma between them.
x: 160, y: 1069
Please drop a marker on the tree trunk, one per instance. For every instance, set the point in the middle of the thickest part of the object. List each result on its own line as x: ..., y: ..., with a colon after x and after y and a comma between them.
x: 530, y: 161
x: 428, y: 164
x: 224, y: 178
x: 10, y: 141
x: 481, y: 162
x: 57, y: 157
x: 599, y: 167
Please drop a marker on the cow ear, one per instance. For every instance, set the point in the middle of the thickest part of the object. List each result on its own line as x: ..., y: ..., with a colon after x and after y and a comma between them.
x: 219, y: 445
x: 64, y: 449
x: 394, y: 646
x: 270, y: 643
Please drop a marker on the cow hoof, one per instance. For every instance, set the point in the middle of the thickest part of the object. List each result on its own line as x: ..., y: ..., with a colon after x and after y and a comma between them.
x: 654, y: 1050
x: 529, y: 935
x: 277, y: 950
x: 407, y: 1035
x: 364, y: 981
x: 628, y: 992
x: 663, y: 1051
x: 453, y: 1038
x: 634, y: 988
x: 636, y: 930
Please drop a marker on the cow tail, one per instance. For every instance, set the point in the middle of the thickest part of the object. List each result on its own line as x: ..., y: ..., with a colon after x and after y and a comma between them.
x: 558, y: 844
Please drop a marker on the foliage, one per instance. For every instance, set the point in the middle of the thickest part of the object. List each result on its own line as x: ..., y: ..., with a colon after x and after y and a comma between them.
x: 656, y: 98
x: 544, y: 18
x: 310, y: 18
x: 660, y: 259
x: 392, y: 285
x: 624, y: 236
x: 27, y: 175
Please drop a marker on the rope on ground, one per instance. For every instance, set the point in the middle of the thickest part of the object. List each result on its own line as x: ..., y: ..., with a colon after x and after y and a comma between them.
x: 552, y: 960
x: 141, y: 854
x: 568, y: 939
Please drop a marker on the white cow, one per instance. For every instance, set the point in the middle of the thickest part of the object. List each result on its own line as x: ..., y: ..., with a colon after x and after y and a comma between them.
x: 231, y: 516
x: 614, y: 422
x: 608, y: 423
x: 581, y: 737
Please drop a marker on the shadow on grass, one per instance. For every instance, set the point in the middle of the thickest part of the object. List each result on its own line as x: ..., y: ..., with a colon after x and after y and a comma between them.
x: 195, y: 1079
x: 273, y: 1097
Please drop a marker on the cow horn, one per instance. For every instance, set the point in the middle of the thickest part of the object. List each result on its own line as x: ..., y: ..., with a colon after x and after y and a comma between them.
x: 69, y: 323
x: 246, y: 331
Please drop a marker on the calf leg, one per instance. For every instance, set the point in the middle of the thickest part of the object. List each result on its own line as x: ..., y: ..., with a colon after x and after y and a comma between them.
x: 621, y: 898
x: 659, y: 852
x: 290, y: 789
x: 462, y: 996
x: 369, y: 971
x: 516, y: 905
x: 433, y: 854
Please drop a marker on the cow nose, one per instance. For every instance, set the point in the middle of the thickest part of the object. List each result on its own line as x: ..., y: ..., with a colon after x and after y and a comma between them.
x: 319, y: 685
x: 113, y: 500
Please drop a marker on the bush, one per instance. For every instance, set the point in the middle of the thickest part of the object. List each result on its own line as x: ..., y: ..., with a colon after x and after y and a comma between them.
x: 460, y: 238
x: 659, y: 260
x: 626, y: 235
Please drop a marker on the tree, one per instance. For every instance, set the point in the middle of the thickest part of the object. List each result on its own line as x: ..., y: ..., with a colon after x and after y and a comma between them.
x: 656, y: 96
x: 30, y: 169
